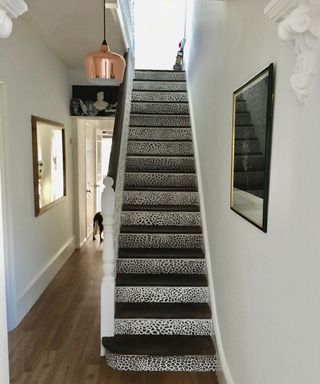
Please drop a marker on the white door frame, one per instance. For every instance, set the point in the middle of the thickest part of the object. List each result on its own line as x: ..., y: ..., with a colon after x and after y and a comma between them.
x: 9, y: 260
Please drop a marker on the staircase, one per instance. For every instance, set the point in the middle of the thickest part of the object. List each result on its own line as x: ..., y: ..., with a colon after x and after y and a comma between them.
x: 249, y: 161
x: 162, y: 320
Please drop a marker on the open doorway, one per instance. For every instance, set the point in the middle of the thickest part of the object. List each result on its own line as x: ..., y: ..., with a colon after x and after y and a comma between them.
x: 159, y: 27
x: 92, y: 144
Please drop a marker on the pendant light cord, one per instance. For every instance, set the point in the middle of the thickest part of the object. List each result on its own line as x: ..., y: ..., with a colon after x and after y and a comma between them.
x: 104, y: 23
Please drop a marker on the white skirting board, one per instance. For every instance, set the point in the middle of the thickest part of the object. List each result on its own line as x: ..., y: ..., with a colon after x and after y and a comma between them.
x: 223, y: 371
x: 36, y: 287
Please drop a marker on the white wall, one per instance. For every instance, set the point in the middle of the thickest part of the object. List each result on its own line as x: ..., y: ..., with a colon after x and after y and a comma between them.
x: 37, y: 84
x: 266, y: 285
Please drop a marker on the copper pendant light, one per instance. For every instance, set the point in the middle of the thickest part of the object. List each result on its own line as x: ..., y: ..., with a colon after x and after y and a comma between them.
x: 104, y: 67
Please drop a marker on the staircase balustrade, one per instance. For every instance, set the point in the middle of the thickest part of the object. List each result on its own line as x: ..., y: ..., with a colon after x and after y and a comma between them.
x: 108, y: 257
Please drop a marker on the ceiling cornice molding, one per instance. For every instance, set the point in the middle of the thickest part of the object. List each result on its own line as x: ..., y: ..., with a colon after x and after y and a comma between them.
x: 10, y: 9
x: 299, y: 22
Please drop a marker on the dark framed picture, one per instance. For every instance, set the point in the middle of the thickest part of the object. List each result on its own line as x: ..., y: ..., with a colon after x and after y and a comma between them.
x: 49, y: 164
x: 251, y: 148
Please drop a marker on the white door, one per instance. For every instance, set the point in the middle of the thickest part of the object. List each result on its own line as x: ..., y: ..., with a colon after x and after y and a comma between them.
x: 99, y: 174
x: 90, y: 176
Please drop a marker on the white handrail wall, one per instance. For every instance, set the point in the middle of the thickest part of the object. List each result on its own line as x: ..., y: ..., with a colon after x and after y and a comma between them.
x: 111, y: 201
x: 108, y: 259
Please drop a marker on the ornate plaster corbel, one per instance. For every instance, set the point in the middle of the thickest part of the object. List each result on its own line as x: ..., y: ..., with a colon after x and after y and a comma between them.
x: 10, y: 9
x: 299, y: 22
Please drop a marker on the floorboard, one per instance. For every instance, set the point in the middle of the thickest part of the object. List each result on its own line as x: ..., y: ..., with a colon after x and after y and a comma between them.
x: 58, y: 342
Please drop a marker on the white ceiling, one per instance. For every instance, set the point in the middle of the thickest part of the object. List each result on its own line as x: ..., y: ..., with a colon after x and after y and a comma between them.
x: 74, y: 28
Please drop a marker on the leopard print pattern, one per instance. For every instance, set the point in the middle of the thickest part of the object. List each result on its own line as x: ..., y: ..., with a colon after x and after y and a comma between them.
x: 162, y: 294
x: 168, y: 134
x: 160, y: 180
x: 162, y: 108
x: 197, y: 363
x: 246, y: 146
x: 160, y: 266
x: 160, y: 120
x: 182, y: 164
x: 162, y: 75
x: 160, y: 148
x: 149, y: 85
x: 144, y: 240
x: 185, y: 327
x: 160, y: 218
x: 160, y: 198
x: 174, y: 97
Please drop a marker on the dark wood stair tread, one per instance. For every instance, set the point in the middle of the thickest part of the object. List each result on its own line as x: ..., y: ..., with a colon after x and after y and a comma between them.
x: 159, y: 345
x: 163, y: 208
x: 162, y: 311
x: 166, y: 229
x: 160, y: 280
x: 160, y: 253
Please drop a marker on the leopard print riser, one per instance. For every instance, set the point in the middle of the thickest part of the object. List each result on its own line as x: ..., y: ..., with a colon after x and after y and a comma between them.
x: 246, y: 146
x: 159, y: 75
x: 152, y: 133
x: 160, y: 198
x: 150, y: 85
x: 143, y: 240
x: 186, y: 327
x: 160, y: 148
x: 174, y: 97
x: 182, y: 164
x: 160, y: 108
x: 160, y: 180
x: 197, y: 363
x: 162, y: 294
x: 159, y: 121
x: 161, y: 266
x: 160, y: 218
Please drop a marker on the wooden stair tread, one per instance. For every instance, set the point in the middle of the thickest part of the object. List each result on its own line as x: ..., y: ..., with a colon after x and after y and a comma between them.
x: 160, y: 280
x: 159, y: 345
x: 160, y: 253
x: 162, y: 208
x: 164, y: 229
x: 162, y: 311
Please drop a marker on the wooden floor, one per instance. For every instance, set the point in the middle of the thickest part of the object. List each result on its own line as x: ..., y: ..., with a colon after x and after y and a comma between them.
x: 58, y: 341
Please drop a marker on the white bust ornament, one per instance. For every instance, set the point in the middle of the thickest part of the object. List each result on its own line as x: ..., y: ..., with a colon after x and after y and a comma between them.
x: 100, y: 104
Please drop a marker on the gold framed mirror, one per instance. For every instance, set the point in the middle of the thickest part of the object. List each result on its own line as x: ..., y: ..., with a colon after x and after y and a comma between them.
x: 49, y: 165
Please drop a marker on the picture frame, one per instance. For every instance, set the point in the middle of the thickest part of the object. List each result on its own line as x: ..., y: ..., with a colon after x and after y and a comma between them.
x: 49, y: 163
x: 251, y: 148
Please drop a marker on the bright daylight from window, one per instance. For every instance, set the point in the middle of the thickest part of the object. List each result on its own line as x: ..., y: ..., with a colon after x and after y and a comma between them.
x: 159, y: 27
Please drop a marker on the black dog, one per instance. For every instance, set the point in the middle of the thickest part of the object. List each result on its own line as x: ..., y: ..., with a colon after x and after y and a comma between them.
x: 98, y: 225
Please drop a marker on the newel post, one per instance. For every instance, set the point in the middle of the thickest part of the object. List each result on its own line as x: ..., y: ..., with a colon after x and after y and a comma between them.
x: 108, y: 255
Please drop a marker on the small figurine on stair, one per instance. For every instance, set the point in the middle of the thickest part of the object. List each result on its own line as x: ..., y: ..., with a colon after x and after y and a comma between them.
x: 179, y: 59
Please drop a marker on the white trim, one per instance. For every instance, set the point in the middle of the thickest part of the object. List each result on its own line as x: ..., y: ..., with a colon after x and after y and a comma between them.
x: 82, y: 243
x: 212, y: 301
x: 7, y: 216
x: 4, y: 363
x: 39, y: 283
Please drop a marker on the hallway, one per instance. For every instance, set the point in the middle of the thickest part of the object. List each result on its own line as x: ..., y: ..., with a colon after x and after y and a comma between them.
x: 58, y: 341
